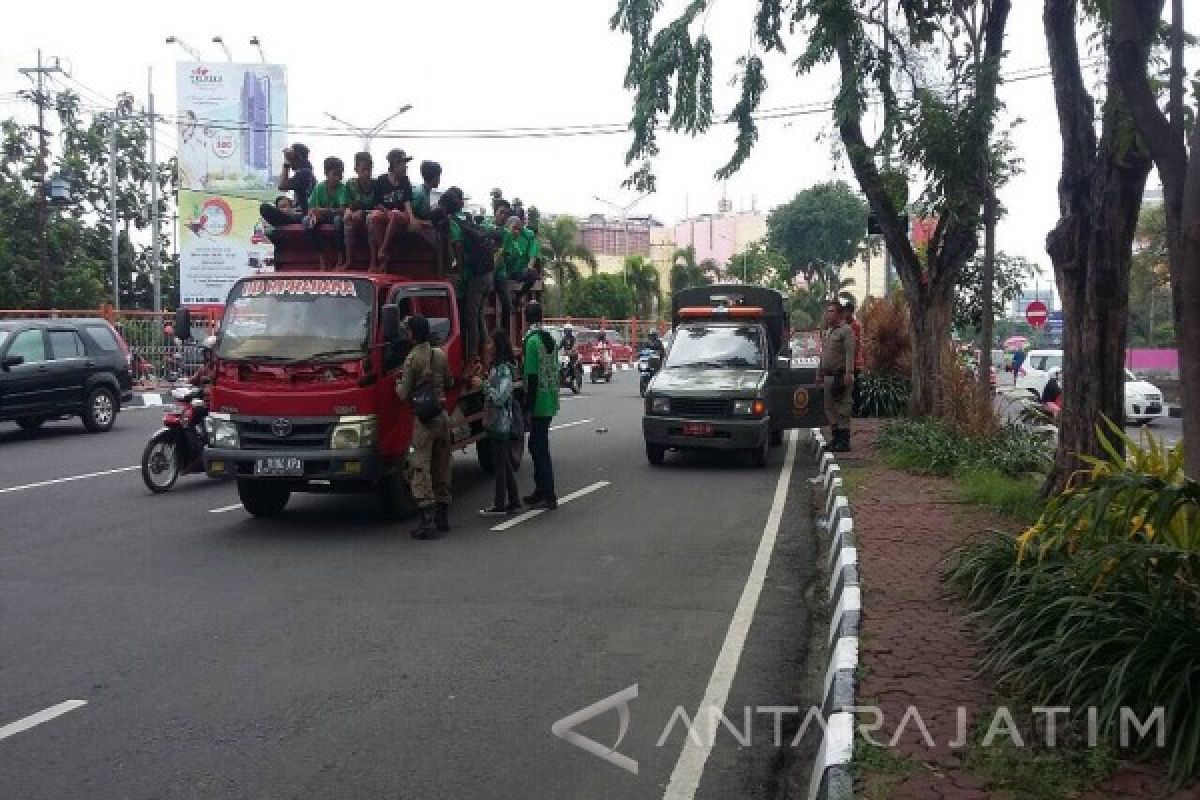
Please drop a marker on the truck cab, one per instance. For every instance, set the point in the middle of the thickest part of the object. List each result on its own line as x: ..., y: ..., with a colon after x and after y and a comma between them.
x: 728, y: 382
x: 306, y: 367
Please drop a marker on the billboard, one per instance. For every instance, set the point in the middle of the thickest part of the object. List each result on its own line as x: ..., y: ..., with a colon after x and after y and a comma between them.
x: 232, y: 130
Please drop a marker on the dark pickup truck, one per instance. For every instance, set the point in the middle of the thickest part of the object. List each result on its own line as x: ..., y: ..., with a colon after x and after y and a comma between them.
x: 728, y: 383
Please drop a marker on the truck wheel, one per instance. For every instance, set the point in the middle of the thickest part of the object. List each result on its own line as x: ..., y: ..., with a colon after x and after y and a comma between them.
x: 655, y: 453
x: 263, y: 499
x: 30, y: 423
x: 759, y: 455
x: 395, y: 496
x: 99, y: 410
x: 776, y: 438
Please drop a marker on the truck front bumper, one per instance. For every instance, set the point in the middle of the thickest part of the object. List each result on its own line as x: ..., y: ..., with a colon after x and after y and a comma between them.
x: 316, y: 466
x: 727, y: 434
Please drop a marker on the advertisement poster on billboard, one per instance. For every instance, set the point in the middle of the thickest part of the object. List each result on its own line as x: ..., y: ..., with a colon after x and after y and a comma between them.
x: 232, y: 130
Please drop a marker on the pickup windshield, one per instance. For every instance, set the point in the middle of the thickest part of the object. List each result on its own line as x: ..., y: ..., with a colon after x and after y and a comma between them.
x: 297, y: 319
x: 717, y: 347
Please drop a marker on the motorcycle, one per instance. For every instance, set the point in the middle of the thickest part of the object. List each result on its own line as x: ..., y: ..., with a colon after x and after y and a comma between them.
x: 602, y: 365
x: 649, y: 363
x: 178, y: 447
x: 570, y: 372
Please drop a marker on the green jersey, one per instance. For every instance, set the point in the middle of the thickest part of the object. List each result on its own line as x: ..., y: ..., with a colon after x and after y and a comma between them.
x: 543, y: 363
x: 322, y: 197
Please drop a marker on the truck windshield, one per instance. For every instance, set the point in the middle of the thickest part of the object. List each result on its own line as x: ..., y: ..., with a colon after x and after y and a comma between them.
x: 297, y: 319
x: 717, y: 347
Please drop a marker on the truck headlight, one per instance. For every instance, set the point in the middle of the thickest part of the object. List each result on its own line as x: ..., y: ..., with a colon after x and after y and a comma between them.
x: 749, y: 408
x: 659, y: 405
x: 353, y: 433
x: 222, y: 432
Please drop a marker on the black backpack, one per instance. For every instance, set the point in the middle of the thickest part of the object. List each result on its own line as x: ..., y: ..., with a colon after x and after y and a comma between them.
x: 426, y: 403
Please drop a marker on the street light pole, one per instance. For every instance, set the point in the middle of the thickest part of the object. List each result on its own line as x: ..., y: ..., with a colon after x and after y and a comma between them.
x: 369, y: 134
x: 225, y: 47
x: 40, y: 99
x: 155, y: 262
x: 187, y: 48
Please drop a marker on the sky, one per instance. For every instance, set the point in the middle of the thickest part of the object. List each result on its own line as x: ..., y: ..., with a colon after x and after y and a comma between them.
x: 473, y: 64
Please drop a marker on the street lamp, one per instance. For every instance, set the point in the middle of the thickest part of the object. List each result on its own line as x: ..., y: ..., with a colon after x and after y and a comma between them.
x: 254, y: 42
x: 225, y: 47
x: 191, y: 51
x: 624, y: 212
x: 370, y: 133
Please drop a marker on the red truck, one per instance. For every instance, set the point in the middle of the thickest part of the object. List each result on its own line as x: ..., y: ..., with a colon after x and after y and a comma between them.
x: 307, y: 362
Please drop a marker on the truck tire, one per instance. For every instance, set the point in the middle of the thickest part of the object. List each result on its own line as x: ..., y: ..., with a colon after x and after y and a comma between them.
x: 395, y: 497
x: 776, y: 438
x: 262, y: 499
x: 655, y: 453
x: 99, y: 410
x: 759, y: 455
x: 30, y: 423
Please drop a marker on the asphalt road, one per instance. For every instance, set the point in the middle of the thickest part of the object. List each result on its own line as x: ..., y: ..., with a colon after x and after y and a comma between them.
x: 1168, y: 430
x: 327, y: 654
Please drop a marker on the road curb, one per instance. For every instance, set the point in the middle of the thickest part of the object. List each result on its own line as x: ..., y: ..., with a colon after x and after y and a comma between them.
x: 147, y: 399
x: 831, y: 776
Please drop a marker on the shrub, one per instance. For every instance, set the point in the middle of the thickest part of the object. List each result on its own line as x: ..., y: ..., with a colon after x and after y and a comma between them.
x: 1097, y: 605
x: 929, y: 445
x: 882, y: 394
x: 964, y: 405
x: 887, y: 343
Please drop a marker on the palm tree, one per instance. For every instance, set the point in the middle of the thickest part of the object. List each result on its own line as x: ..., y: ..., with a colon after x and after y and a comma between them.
x: 560, y: 250
x: 808, y: 304
x: 642, y: 278
x: 686, y: 273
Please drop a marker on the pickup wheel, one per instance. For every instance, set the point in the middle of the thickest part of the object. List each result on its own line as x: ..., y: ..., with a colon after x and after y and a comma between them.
x: 99, y: 409
x: 30, y: 423
x: 776, y: 438
x: 263, y: 499
x: 759, y: 455
x: 655, y: 453
x: 395, y: 497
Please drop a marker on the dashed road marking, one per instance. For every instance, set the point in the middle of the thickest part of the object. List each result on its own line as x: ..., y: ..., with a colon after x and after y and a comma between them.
x: 45, y: 715
x: 562, y: 501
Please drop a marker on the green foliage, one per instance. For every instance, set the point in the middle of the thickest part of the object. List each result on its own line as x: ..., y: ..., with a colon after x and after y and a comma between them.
x: 686, y: 273
x: 821, y: 229
x: 807, y: 304
x: 1018, y: 497
x: 882, y: 394
x: 1150, y: 316
x: 1096, y: 604
x: 929, y: 445
x: 561, y: 251
x: 642, y: 279
x: 598, y: 296
x: 1011, y: 273
x: 760, y: 265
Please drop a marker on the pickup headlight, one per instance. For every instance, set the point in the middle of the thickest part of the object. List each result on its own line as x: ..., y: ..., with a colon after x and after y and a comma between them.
x: 222, y: 431
x: 353, y: 433
x: 749, y: 408
x: 658, y: 405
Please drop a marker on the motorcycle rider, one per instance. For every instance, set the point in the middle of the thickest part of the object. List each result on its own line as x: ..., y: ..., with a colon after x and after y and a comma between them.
x: 655, y: 344
x: 568, y: 340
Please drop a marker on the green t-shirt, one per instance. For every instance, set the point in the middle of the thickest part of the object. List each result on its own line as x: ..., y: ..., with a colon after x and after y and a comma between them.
x: 527, y: 250
x: 543, y: 364
x: 456, y: 241
x: 359, y: 198
x: 510, y: 256
x: 321, y: 197
x: 421, y: 202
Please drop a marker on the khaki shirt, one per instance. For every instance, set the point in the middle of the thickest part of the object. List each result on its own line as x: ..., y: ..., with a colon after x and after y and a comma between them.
x: 424, y: 362
x: 837, y: 350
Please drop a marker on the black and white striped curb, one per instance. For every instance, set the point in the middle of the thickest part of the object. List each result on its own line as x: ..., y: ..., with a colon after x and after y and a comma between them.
x: 831, y: 775
x: 149, y: 399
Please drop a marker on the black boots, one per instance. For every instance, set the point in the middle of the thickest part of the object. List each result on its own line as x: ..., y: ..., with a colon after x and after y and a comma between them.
x: 426, y: 526
x: 840, y: 440
x: 441, y: 519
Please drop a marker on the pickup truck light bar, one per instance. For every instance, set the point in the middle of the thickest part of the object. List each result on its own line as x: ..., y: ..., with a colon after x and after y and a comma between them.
x: 691, y: 312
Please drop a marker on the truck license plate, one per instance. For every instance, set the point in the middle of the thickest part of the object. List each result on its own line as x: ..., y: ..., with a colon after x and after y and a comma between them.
x: 287, y: 467
x: 697, y: 429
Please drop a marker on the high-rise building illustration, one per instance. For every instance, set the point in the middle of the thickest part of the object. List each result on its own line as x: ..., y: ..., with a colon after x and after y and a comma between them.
x: 256, y: 122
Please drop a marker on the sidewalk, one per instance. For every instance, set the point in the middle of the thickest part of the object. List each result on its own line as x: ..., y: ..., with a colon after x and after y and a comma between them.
x: 915, y: 648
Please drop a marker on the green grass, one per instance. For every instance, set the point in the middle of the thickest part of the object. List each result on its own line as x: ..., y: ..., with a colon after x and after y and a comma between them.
x: 854, y: 478
x: 1018, y: 497
x: 880, y: 768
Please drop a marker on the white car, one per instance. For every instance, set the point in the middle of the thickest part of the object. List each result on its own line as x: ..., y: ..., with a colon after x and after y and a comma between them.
x: 1143, y: 400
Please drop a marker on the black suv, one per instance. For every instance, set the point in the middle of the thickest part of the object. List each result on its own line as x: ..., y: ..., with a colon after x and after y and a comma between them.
x: 55, y: 368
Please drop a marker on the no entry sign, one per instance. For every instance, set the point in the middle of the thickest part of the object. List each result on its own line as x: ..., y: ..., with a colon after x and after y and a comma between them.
x: 1036, y: 313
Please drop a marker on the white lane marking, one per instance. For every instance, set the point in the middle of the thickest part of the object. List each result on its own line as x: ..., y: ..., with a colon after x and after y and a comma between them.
x: 528, y: 515
x: 45, y: 715
x: 685, y: 779
x: 40, y: 484
x: 223, y: 509
x: 570, y: 424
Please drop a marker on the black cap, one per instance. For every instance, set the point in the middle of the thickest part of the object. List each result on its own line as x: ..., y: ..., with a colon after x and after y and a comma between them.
x: 397, y: 155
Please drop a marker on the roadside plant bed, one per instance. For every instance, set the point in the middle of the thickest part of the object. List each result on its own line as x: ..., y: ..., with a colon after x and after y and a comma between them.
x: 932, y: 446
x: 882, y: 394
x: 1097, y: 604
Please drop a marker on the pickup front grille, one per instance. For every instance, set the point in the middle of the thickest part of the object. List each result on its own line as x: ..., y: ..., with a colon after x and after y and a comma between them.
x: 259, y: 434
x: 701, y: 407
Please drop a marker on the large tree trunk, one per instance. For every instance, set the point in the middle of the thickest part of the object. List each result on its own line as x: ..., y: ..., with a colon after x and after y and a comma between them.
x: 987, y: 320
x: 1187, y: 311
x: 930, y: 322
x: 1100, y: 195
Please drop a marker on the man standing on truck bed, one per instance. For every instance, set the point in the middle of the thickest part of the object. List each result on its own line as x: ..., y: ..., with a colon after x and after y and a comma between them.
x: 541, y: 404
x: 426, y: 370
x: 837, y: 369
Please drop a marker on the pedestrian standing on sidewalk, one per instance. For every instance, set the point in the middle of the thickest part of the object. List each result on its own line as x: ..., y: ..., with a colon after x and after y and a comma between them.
x: 424, y: 382
x: 837, y: 372
x: 541, y: 404
x: 860, y: 361
x: 498, y: 416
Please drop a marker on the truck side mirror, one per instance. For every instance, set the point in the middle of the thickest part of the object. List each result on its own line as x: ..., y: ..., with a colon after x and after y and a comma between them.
x: 390, y: 320
x: 12, y: 361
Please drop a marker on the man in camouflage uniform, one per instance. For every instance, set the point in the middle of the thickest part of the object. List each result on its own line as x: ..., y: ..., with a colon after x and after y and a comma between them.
x: 837, y: 369
x: 429, y: 461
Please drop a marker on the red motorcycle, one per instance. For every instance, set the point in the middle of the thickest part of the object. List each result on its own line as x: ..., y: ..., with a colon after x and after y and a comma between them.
x: 178, y: 447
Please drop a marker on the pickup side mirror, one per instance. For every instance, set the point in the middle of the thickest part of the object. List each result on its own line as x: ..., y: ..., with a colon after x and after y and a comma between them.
x: 12, y: 361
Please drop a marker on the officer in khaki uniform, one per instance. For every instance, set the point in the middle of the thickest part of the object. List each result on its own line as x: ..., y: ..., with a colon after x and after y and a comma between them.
x: 837, y: 369
x: 429, y: 461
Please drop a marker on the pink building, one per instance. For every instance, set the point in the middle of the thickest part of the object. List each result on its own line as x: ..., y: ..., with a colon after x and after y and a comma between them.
x: 720, y: 237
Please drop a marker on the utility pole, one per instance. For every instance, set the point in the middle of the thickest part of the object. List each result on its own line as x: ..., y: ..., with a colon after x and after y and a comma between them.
x: 112, y: 210
x: 40, y: 173
x: 155, y: 262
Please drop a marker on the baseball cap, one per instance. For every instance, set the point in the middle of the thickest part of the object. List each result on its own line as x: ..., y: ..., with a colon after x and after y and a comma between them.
x: 398, y: 155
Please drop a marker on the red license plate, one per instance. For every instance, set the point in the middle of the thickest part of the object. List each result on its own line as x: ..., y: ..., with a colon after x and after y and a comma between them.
x: 697, y: 429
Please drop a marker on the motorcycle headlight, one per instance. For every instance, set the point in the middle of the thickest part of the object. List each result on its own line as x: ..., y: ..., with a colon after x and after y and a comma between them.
x: 749, y: 408
x: 660, y: 405
x: 222, y: 432
x: 352, y: 433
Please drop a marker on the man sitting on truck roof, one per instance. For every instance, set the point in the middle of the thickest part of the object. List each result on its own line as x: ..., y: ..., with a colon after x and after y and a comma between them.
x: 327, y: 203
x: 362, y: 202
x: 423, y: 198
x: 394, y: 193
x: 297, y: 177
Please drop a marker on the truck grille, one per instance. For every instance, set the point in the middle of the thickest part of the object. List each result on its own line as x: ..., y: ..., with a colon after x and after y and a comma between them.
x: 259, y: 434
x: 700, y: 407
